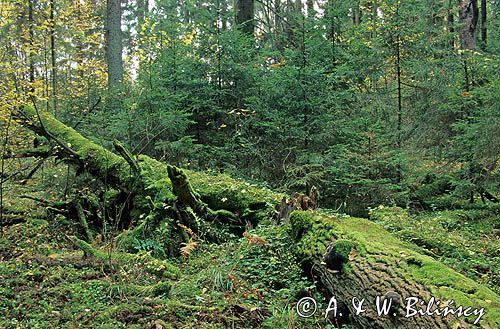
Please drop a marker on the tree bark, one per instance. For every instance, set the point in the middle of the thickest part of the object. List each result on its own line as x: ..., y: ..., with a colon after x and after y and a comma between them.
x: 483, y: 23
x: 450, y: 22
x: 400, y: 99
x: 142, y: 9
x: 53, y: 56
x: 31, y: 56
x: 377, y: 263
x: 114, y: 47
x: 469, y: 14
x: 245, y: 16
x: 356, y: 14
x: 310, y: 8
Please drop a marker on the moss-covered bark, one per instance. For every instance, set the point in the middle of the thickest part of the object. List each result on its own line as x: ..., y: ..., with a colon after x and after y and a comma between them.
x: 156, y: 192
x: 378, y: 263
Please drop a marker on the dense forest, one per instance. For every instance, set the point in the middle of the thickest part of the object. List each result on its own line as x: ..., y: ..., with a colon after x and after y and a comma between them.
x: 328, y: 149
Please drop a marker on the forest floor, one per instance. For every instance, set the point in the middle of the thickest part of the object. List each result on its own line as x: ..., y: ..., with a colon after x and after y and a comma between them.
x: 466, y: 240
x: 46, y: 282
x: 248, y: 282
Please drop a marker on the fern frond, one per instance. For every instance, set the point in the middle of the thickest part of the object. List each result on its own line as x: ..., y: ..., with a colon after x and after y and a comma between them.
x: 255, y: 240
x: 187, y: 229
x: 188, y: 248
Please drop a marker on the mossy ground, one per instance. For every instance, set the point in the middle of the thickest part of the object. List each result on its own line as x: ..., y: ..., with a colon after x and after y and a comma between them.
x: 47, y: 283
x: 466, y: 240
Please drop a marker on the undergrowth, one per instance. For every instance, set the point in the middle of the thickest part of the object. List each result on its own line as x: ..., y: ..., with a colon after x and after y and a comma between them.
x: 466, y: 240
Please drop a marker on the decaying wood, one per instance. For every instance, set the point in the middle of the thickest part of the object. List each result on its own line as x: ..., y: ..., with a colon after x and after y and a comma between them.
x: 187, y: 201
x: 298, y: 201
x: 376, y: 263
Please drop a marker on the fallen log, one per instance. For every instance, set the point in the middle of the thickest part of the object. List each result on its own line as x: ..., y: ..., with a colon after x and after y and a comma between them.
x: 363, y: 260
x: 156, y: 191
x: 374, y: 263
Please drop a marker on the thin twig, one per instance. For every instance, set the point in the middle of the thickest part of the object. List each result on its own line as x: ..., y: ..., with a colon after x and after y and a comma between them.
x: 50, y: 135
x: 88, y: 112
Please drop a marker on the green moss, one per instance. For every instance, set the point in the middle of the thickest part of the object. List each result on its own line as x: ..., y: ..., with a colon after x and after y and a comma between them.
x: 344, y: 247
x: 5, y: 244
x: 126, y: 239
x: 88, y: 250
x: 162, y: 289
x: 302, y: 221
x: 98, y: 157
x: 383, y: 213
x: 223, y: 192
x: 461, y: 239
x: 313, y: 231
x: 111, y: 194
x: 163, y: 324
x: 152, y: 265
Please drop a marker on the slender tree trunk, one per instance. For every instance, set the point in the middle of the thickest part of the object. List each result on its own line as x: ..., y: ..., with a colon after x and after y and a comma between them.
x: 450, y: 21
x: 469, y: 14
x: 356, y: 14
x: 223, y: 15
x: 219, y: 54
x: 450, y: 18
x: 53, y: 55
x: 333, y: 20
x: 142, y: 9
x: 278, y: 25
x: 303, y: 82
x: 31, y: 55
x: 400, y: 106
x: 483, y: 22
x: 245, y: 16
x: 2, y: 170
x: 310, y: 8
x: 114, y: 45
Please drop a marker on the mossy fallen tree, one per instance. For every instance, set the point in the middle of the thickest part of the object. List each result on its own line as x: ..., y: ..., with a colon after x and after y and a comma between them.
x: 365, y: 261
x: 373, y: 263
x: 154, y: 193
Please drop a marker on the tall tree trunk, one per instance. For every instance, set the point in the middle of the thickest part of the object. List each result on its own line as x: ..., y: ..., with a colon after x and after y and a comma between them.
x: 356, y: 14
x: 469, y: 14
x: 310, y: 8
x: 278, y: 25
x: 374, y: 18
x: 483, y: 22
x: 31, y: 55
x: 450, y: 19
x: 142, y: 9
x: 53, y: 56
x: 223, y: 14
x: 400, y: 106
x: 245, y: 16
x: 114, y: 43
